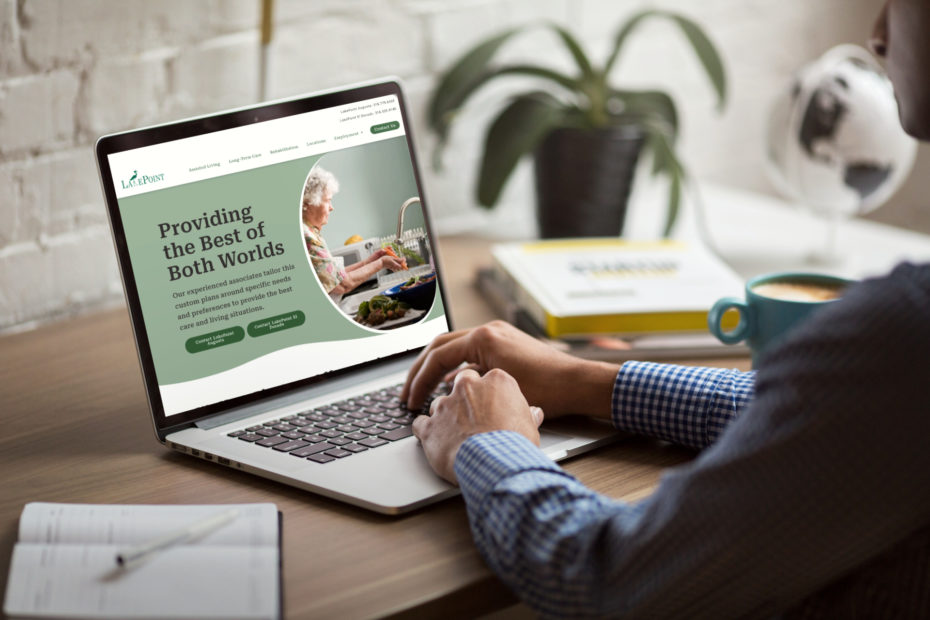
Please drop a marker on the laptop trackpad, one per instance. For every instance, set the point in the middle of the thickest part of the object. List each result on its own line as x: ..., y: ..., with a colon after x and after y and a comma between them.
x: 548, y: 439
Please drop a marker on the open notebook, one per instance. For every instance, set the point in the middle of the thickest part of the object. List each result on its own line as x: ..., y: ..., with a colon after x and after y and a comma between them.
x: 64, y: 563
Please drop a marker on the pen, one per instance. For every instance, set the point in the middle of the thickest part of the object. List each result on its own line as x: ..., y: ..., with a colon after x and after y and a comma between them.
x: 131, y: 555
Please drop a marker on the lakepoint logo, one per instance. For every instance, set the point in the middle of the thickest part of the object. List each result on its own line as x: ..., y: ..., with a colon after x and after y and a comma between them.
x: 135, y: 180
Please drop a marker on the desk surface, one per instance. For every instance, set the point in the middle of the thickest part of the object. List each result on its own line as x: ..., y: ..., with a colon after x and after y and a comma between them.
x: 76, y: 429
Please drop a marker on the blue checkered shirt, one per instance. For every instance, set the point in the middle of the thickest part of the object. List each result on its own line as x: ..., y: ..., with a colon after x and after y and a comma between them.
x: 811, y: 497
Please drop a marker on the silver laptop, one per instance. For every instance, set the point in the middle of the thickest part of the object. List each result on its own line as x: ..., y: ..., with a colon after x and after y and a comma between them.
x: 250, y: 357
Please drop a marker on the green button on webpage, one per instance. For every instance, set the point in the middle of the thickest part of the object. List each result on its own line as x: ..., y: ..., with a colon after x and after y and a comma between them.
x: 272, y: 324
x: 214, y: 339
x: 382, y: 127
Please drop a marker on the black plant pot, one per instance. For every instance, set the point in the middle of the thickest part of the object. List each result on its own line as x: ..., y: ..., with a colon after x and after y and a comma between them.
x: 583, y: 179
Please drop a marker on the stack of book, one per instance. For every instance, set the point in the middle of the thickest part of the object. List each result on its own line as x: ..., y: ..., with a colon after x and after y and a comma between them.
x: 613, y: 299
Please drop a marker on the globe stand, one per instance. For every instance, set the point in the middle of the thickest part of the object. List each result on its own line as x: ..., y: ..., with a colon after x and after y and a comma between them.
x: 829, y: 253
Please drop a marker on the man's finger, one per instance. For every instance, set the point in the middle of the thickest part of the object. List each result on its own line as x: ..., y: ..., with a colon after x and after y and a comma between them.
x: 433, y: 405
x: 439, y: 361
x: 538, y: 415
x: 468, y: 371
x: 420, y: 426
x: 450, y: 376
x: 417, y: 363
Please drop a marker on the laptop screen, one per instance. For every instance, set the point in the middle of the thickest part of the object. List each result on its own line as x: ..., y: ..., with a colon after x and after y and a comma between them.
x: 267, y: 250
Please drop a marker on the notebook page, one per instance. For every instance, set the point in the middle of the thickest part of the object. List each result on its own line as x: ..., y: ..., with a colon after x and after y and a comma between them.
x: 124, y: 524
x: 181, y: 582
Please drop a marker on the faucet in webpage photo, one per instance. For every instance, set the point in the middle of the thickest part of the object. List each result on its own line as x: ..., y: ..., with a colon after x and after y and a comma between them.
x: 400, y: 217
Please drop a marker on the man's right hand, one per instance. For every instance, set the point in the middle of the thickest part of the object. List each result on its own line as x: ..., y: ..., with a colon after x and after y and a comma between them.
x: 555, y: 381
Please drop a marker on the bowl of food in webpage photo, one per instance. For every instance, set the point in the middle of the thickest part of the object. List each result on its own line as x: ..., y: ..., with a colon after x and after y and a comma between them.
x: 418, y: 292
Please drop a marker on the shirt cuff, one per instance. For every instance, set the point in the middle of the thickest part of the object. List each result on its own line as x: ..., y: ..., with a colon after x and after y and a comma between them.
x: 485, y: 459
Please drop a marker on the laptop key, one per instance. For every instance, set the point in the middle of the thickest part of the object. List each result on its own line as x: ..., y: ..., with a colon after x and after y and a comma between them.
x: 330, y: 433
x: 373, y: 442
x: 267, y: 432
x: 388, y: 426
x: 252, y: 429
x: 291, y: 445
x: 313, y: 449
x: 236, y: 433
x: 373, y: 431
x: 338, y: 453
x: 356, y: 436
x: 270, y: 441
x: 325, y: 425
x: 339, y: 441
x: 354, y: 447
x: 400, y: 433
x: 346, y: 428
x: 250, y: 437
x: 293, y: 435
x: 363, y: 423
x: 321, y: 458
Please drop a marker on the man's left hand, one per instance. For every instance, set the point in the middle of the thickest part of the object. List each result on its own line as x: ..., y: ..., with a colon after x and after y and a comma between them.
x: 477, y: 404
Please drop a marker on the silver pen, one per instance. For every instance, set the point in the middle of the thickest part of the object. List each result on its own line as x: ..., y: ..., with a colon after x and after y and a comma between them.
x: 134, y: 554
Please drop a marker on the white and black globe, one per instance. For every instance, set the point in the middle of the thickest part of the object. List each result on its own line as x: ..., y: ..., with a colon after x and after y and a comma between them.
x: 835, y: 143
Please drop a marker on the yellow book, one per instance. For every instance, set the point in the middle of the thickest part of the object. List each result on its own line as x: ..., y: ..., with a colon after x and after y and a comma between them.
x: 613, y: 286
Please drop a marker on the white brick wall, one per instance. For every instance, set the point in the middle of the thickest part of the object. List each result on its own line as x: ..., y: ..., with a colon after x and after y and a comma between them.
x: 71, y: 70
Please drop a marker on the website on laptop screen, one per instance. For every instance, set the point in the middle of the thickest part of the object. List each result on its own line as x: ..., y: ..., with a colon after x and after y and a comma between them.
x: 249, y: 278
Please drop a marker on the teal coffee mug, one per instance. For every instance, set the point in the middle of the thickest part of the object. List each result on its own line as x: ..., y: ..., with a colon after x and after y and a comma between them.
x: 774, y: 304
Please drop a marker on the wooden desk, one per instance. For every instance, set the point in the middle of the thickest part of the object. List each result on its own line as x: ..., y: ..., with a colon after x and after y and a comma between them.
x: 76, y: 429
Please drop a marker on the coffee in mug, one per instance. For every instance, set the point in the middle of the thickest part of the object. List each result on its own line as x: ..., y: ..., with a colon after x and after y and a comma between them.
x: 774, y: 304
x: 798, y: 291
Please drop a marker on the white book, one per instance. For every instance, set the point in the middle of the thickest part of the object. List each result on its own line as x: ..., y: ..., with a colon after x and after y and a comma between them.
x: 64, y: 563
x: 575, y: 287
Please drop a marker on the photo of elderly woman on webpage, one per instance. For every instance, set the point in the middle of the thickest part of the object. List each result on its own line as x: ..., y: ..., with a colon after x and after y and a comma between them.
x: 317, y: 204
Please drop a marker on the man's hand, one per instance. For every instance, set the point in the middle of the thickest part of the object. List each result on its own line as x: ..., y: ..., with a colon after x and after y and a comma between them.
x: 551, y: 379
x: 476, y: 405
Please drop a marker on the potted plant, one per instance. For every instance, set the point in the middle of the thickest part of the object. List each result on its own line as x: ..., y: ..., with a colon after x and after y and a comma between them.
x: 586, y: 133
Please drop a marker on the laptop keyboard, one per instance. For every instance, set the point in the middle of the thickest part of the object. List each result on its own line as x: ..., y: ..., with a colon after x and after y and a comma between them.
x: 339, y: 429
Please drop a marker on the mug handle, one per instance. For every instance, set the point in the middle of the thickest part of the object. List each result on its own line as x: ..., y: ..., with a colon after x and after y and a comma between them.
x: 741, y: 331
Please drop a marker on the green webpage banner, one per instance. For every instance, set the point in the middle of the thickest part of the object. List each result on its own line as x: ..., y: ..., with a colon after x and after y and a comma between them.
x: 230, y: 299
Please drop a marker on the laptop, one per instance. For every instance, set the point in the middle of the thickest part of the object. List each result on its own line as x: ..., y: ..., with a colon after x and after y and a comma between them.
x: 249, y: 358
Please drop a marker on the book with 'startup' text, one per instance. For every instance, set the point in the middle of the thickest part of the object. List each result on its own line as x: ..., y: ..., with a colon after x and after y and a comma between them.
x: 65, y: 563
x: 574, y: 287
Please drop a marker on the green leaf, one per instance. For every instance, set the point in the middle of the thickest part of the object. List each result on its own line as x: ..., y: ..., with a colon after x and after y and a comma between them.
x: 703, y: 47
x: 707, y: 54
x: 674, y: 202
x: 570, y: 84
x: 460, y: 80
x: 518, y: 129
x: 665, y: 161
x: 624, y: 32
x: 587, y: 71
x: 654, y: 106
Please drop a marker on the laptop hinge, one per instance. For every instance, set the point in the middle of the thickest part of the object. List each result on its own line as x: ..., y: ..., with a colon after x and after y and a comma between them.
x: 328, y: 386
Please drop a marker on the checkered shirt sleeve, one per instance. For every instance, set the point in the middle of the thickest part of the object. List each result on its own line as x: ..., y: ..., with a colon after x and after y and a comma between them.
x: 687, y: 405
x: 525, y: 511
